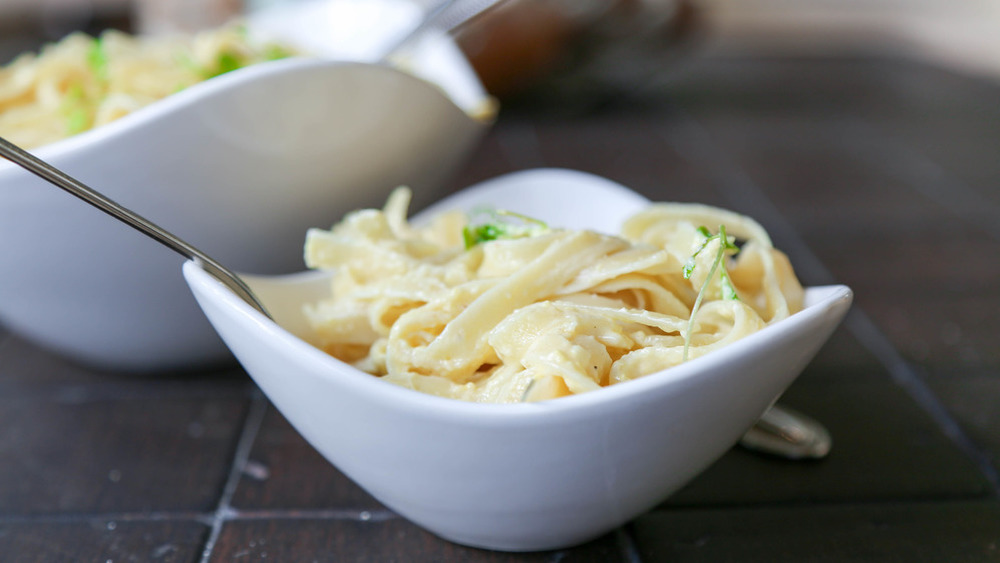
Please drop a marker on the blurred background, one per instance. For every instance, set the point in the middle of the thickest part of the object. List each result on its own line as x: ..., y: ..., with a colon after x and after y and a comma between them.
x: 563, y: 42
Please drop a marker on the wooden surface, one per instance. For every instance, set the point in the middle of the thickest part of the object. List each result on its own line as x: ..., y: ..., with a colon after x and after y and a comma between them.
x: 879, y: 174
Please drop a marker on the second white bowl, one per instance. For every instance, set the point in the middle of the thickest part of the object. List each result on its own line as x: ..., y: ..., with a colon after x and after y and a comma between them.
x: 239, y: 166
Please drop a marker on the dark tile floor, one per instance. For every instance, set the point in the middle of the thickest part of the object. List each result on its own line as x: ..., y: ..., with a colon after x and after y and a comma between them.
x: 880, y: 174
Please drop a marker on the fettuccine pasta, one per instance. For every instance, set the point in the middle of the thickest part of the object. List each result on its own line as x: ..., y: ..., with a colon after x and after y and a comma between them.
x: 82, y: 82
x: 536, y: 317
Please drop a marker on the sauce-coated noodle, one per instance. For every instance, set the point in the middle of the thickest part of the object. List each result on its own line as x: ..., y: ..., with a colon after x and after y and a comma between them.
x: 538, y: 317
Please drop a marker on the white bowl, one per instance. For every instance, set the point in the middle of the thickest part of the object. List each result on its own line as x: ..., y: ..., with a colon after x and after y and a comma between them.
x: 523, y: 476
x: 239, y: 166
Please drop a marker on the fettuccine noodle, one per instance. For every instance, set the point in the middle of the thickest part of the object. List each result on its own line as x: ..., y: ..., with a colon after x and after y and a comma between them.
x: 538, y: 317
x: 81, y: 82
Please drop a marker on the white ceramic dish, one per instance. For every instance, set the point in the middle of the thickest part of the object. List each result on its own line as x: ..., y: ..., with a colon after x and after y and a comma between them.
x: 240, y: 166
x: 524, y: 476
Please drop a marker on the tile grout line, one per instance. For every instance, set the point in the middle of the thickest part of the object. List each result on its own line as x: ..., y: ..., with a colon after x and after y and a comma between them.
x: 159, y: 516
x: 223, y: 512
x: 348, y: 514
x: 357, y: 515
x: 627, y: 545
x: 738, y: 187
x: 625, y: 539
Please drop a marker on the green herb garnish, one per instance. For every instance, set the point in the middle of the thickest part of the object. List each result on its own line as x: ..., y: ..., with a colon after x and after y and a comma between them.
x: 77, y: 121
x: 273, y: 52
x: 726, y: 246
x: 501, y: 224
x: 97, y: 59
x: 225, y: 61
x: 74, y: 108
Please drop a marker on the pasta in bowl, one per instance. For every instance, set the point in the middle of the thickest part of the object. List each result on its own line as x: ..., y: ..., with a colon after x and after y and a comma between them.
x: 532, y: 474
x: 80, y: 82
x: 505, y: 312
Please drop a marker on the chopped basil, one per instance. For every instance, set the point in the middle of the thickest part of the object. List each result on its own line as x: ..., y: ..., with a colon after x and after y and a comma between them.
x: 502, y: 224
x: 225, y: 61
